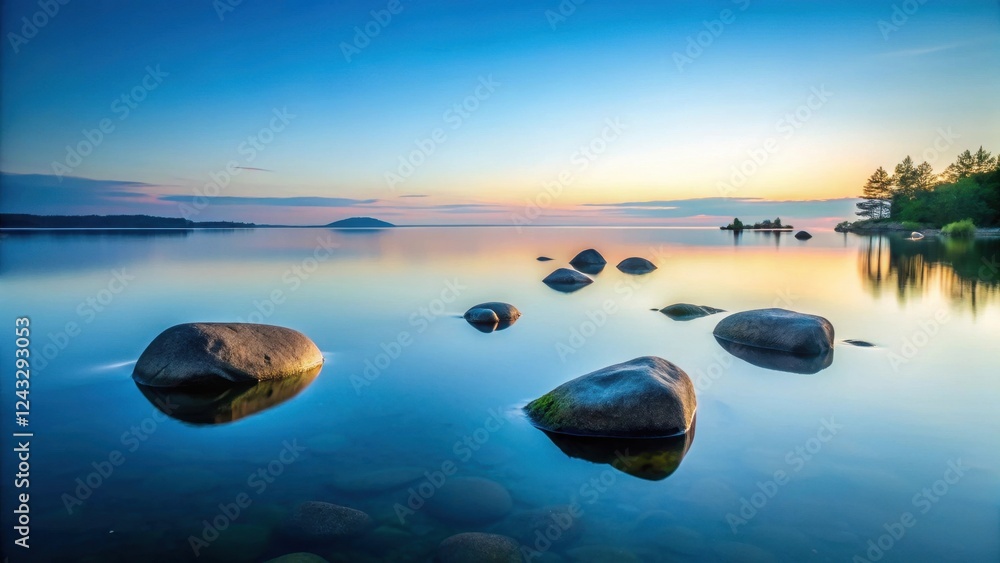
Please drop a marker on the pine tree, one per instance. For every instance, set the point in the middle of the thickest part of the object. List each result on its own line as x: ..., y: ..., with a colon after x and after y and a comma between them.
x: 877, y: 192
x: 968, y: 164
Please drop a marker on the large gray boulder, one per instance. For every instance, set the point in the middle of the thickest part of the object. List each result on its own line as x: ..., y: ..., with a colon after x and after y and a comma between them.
x: 646, y: 397
x: 687, y: 311
x: 636, y: 266
x: 225, y: 353
x: 778, y: 329
x: 477, y: 547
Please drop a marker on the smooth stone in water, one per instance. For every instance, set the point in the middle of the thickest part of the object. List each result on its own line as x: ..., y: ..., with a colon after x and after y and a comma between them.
x: 589, y: 257
x: 475, y: 547
x: 470, y: 500
x: 647, y: 397
x: 481, y: 316
x: 564, y: 277
x: 322, y: 521
x: 687, y: 311
x: 859, y: 343
x: 543, y: 259
x: 778, y: 329
x: 225, y: 353
x: 505, y: 312
x: 637, y: 266
x: 802, y: 235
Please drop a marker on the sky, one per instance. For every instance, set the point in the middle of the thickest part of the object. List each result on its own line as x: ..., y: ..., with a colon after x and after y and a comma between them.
x: 473, y: 112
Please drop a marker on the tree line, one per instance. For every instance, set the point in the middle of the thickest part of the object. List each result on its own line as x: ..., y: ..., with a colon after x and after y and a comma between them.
x: 968, y: 189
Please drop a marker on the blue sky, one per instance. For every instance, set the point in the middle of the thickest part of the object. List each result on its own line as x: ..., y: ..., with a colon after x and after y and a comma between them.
x: 535, y: 89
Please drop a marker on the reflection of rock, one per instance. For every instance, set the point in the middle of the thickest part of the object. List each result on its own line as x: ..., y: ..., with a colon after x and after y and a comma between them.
x: 325, y: 522
x: 687, y: 311
x: 802, y: 235
x: 566, y: 280
x: 207, y: 354
x: 647, y: 397
x: 475, y: 547
x: 647, y: 458
x: 777, y: 360
x: 470, y: 500
x: 220, y: 405
x: 778, y: 329
x: 637, y: 266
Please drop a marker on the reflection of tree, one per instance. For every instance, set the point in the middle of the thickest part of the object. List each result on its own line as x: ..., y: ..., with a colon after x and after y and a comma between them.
x: 965, y: 270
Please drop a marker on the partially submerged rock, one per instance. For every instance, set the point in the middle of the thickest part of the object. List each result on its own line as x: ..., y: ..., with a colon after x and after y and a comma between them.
x: 566, y: 280
x: 778, y: 329
x: 543, y: 259
x: 802, y: 235
x: 492, y: 316
x: 478, y: 315
x: 209, y: 354
x: 476, y: 547
x: 859, y: 343
x: 647, y: 397
x: 504, y: 311
x: 589, y: 257
x: 687, y: 311
x: 589, y: 261
x: 636, y: 266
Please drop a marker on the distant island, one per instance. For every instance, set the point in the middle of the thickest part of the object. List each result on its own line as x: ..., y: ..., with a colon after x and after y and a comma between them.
x: 360, y: 223
x: 26, y: 221
x: 765, y: 225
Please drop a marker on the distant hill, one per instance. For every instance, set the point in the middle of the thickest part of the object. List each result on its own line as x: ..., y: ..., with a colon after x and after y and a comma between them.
x: 360, y: 223
x: 23, y: 221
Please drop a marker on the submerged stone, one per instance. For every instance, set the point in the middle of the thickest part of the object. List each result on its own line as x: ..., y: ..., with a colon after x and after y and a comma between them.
x: 476, y: 547
x: 322, y: 521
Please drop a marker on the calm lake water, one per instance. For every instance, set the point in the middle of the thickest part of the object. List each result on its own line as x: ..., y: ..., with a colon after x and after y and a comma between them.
x: 895, y: 444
